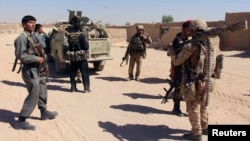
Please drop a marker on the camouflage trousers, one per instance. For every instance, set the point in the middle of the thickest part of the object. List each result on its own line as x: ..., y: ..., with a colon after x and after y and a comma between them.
x: 196, y: 109
x: 135, y: 59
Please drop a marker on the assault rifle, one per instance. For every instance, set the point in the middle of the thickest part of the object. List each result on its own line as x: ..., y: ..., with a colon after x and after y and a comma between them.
x: 169, y: 92
x: 38, y: 50
x: 203, y: 36
x: 125, y: 58
x: 44, y: 67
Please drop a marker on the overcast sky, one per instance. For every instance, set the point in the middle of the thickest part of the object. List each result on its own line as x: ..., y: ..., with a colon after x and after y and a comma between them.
x: 119, y: 12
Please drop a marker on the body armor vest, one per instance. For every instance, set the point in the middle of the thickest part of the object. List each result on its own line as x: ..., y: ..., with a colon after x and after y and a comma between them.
x: 75, y: 52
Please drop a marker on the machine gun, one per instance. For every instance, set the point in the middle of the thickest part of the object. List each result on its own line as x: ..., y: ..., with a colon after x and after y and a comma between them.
x: 203, y: 37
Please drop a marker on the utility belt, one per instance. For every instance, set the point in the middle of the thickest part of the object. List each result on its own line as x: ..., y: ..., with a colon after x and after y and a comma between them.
x: 77, y: 55
x: 196, y: 83
x: 194, y: 80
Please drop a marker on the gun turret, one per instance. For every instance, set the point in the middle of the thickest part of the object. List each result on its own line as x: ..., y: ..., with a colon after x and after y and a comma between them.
x: 74, y: 16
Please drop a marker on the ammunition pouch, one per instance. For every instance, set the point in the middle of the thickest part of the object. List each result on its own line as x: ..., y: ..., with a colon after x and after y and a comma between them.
x: 194, y: 90
x: 138, y: 49
x: 77, y: 55
x: 189, y: 91
x: 200, y: 84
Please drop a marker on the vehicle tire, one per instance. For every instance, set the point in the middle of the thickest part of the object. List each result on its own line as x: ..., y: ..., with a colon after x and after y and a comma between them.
x: 98, y: 65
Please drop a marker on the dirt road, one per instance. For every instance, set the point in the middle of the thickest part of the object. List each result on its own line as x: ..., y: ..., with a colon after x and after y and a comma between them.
x: 117, y: 109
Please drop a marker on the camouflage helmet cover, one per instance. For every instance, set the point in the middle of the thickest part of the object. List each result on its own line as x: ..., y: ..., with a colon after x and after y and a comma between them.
x: 139, y: 27
x: 200, y: 24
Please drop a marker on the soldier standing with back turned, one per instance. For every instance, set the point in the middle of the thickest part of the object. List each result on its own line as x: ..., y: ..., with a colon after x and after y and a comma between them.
x: 194, y: 78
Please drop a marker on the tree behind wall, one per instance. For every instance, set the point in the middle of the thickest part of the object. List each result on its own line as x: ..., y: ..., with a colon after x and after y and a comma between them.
x: 167, y: 18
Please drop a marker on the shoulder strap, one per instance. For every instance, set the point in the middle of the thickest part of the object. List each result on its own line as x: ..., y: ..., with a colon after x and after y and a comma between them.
x: 33, y: 42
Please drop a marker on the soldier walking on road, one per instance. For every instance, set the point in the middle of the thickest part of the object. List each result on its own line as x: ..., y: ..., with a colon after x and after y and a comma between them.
x: 137, y: 50
x: 35, y: 84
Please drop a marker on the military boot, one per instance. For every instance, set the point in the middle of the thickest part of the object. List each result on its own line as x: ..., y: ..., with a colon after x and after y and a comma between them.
x: 176, y: 110
x: 137, y: 78
x: 130, y: 77
x: 192, y: 137
x: 72, y: 83
x: 48, y: 114
x: 204, y: 131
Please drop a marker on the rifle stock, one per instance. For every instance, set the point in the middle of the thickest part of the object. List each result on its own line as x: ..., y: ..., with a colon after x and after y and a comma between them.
x: 40, y: 52
x: 169, y: 92
x: 15, y: 62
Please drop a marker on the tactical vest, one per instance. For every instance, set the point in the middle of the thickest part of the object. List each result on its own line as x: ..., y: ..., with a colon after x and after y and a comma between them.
x: 74, y: 41
x: 136, y: 44
x: 75, y: 52
x: 194, y: 68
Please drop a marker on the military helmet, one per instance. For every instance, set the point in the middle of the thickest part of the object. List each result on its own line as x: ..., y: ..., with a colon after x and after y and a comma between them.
x: 199, y: 24
x: 139, y: 27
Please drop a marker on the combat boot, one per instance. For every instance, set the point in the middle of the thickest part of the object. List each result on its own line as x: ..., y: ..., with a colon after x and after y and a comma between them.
x: 73, y: 84
x: 137, y: 78
x: 48, y: 115
x: 23, y: 125
x: 73, y: 89
x: 204, y: 132
x: 176, y: 110
x: 130, y: 77
x: 192, y: 137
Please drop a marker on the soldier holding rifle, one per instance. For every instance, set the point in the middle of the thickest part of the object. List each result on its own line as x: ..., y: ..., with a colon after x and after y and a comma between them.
x: 197, y: 57
x: 192, y: 60
x: 28, y: 51
x: 137, y: 51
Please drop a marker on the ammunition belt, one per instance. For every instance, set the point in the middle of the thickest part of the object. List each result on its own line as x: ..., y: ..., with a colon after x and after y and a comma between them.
x: 77, y: 55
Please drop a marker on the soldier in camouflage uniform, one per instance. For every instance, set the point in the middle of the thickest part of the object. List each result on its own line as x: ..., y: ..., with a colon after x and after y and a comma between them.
x: 137, y: 50
x: 192, y: 59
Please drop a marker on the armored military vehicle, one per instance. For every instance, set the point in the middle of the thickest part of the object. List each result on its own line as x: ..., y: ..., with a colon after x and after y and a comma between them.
x: 97, y: 37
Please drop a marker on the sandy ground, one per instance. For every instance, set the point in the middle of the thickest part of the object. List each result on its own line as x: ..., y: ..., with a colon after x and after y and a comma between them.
x: 117, y: 109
